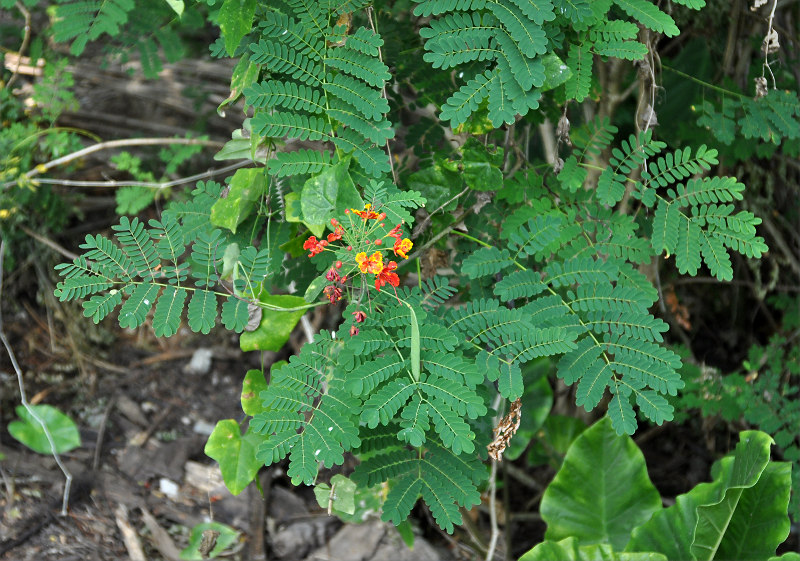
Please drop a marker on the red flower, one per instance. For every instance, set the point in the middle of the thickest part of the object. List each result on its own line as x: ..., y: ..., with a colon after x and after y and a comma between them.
x: 316, y: 247
x: 332, y: 293
x: 395, y: 232
x: 353, y: 331
x: 337, y: 233
x: 359, y: 316
x: 332, y: 275
x: 387, y: 275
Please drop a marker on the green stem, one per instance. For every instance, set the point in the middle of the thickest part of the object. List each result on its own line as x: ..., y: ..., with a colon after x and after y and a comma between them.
x: 703, y: 83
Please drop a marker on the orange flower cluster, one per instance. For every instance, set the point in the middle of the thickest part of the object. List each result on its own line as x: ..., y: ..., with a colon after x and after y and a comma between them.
x: 359, y: 234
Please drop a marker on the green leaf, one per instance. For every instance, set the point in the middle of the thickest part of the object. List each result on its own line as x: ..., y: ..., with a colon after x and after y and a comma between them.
x: 602, y: 490
x: 569, y: 549
x: 559, y: 434
x: 339, y: 496
x: 481, y: 168
x: 650, y: 16
x: 714, y: 519
x: 235, y: 21
x: 328, y: 194
x: 254, y: 383
x: 236, y: 454
x: 276, y: 326
x: 225, y: 538
x: 29, y: 431
x: 176, y: 5
x: 725, y: 527
x: 246, y: 187
x: 555, y: 72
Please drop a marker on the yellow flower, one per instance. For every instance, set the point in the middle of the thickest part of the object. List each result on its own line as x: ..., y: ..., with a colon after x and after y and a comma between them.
x: 372, y: 264
x: 402, y: 247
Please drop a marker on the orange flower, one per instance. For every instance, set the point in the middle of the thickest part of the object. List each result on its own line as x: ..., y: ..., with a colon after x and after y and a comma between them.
x: 337, y: 233
x: 372, y: 264
x: 315, y: 246
x: 387, y: 275
x: 395, y: 232
x: 366, y: 214
x: 402, y: 247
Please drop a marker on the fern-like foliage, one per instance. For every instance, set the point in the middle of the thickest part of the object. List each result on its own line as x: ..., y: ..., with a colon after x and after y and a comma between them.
x: 512, y: 47
x: 320, y: 90
x: 144, y: 269
x: 405, y: 382
x: 147, y: 27
x: 565, y: 280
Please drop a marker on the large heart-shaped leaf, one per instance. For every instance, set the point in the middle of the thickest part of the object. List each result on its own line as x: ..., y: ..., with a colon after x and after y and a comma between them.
x: 569, y: 550
x: 236, y: 454
x: 602, y: 490
x: 29, y: 431
x: 742, y: 514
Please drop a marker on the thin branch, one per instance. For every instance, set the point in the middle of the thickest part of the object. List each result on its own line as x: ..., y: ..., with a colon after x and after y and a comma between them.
x: 49, y: 243
x: 41, y: 168
x: 25, y: 40
x: 383, y: 92
x: 24, y: 399
x: 151, y: 185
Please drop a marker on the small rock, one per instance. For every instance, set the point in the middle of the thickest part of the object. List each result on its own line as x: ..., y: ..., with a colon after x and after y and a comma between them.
x: 200, y: 363
x: 168, y: 487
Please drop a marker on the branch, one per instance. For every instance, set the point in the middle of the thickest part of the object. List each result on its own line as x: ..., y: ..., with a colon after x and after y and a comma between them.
x: 25, y: 40
x: 41, y: 168
x: 152, y: 185
x: 24, y: 400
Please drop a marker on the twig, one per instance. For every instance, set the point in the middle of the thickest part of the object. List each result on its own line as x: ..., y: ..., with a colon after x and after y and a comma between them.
x: 25, y: 40
x: 49, y: 243
x: 98, y: 445
x: 24, y: 399
x: 493, y: 512
x: 495, y: 535
x: 383, y: 93
x: 41, y: 168
x: 151, y: 185
x: 421, y: 226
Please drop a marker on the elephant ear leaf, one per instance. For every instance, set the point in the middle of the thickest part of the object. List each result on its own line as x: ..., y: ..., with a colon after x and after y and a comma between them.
x: 715, y: 520
x: 603, y: 484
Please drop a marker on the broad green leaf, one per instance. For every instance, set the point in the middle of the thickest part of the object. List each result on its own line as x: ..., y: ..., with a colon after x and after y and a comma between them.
x: 555, y: 72
x: 254, y: 383
x: 235, y: 21
x: 244, y: 74
x: 735, y: 516
x: 726, y: 527
x: 481, y: 168
x: 437, y: 184
x: 569, y: 549
x: 327, y: 194
x: 338, y: 496
x: 29, y: 431
x: 314, y: 288
x: 177, y: 6
x: 227, y: 536
x: 246, y: 187
x: 602, y: 490
x: 788, y: 556
x: 236, y: 454
x: 276, y: 326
